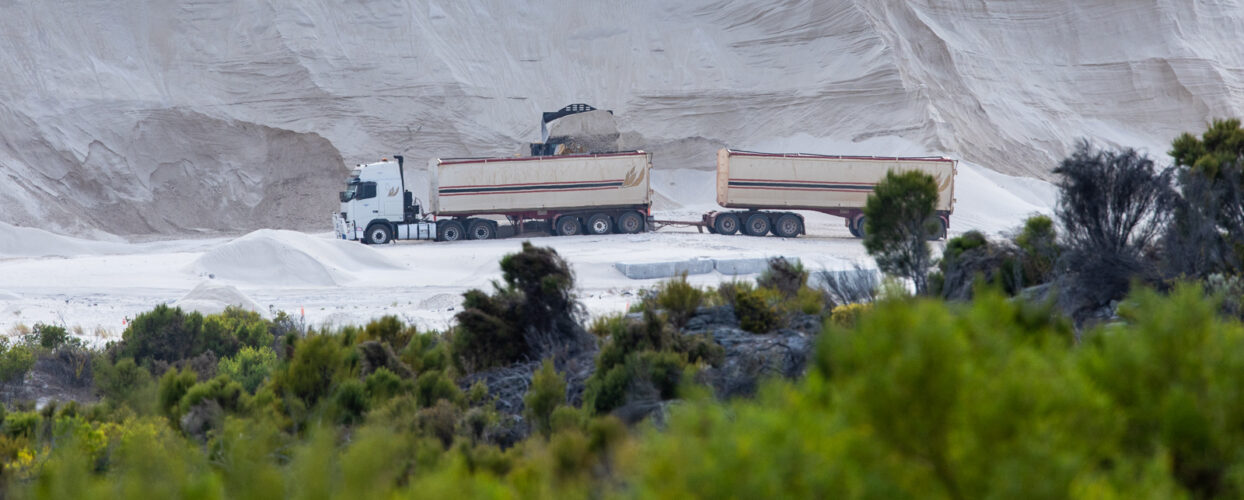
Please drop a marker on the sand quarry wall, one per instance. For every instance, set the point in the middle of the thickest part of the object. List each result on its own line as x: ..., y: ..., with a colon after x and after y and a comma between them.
x: 183, y: 117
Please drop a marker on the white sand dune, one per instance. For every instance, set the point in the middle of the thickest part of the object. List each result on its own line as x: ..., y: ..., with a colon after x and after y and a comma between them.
x: 212, y: 298
x: 288, y: 258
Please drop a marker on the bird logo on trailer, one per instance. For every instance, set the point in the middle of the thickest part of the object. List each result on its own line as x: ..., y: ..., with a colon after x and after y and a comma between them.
x: 633, y: 178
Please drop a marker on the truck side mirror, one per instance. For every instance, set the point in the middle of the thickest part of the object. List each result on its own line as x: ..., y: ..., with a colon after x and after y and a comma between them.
x: 343, y: 196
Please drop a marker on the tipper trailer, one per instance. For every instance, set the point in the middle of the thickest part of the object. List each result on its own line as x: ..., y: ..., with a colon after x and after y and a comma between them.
x: 766, y: 186
x: 589, y: 193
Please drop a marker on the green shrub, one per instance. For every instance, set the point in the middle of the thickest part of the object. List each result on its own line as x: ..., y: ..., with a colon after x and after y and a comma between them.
x: 847, y: 316
x: 784, y: 276
x: 1039, y: 242
x: 487, y: 334
x: 547, y: 392
x: 15, y: 361
x: 754, y: 312
x: 125, y: 383
x: 224, y: 391
x: 249, y: 367
x: 679, y: 299
x: 172, y: 387
x: 663, y: 370
x: 164, y: 334
x: 531, y: 315
x: 51, y: 337
x: 311, y: 372
x: 389, y: 330
x: 605, y: 326
x: 382, y: 385
x: 433, y: 386
x: 350, y: 402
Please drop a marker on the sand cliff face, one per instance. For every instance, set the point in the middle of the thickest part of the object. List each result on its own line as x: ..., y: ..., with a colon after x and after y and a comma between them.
x: 168, y: 118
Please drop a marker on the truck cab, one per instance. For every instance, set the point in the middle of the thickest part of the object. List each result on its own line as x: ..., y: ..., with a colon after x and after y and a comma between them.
x: 375, y: 203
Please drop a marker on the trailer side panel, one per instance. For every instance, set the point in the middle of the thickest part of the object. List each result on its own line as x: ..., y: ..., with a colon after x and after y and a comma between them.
x: 541, y: 183
x: 815, y: 182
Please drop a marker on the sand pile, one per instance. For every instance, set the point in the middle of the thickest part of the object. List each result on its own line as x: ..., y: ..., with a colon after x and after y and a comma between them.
x: 288, y: 258
x: 30, y: 242
x: 211, y: 298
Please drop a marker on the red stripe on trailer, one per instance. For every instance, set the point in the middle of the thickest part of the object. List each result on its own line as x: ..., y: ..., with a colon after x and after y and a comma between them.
x: 528, y: 191
x: 528, y: 184
x: 804, y: 182
x: 457, y: 161
x: 840, y: 157
x: 799, y: 189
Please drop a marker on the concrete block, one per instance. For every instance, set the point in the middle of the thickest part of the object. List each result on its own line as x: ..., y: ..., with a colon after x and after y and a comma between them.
x: 653, y: 270
x: 744, y: 266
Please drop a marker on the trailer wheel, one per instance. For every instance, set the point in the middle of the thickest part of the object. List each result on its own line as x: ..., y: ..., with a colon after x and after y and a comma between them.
x: 630, y: 222
x: 859, y: 227
x: 449, y: 231
x: 726, y: 224
x: 787, y: 226
x: 599, y: 224
x: 568, y: 225
x: 480, y: 229
x: 757, y: 225
x: 851, y: 228
x: 937, y: 228
x: 378, y: 234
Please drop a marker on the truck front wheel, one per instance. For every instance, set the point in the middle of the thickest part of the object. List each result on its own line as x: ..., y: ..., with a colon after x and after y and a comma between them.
x: 449, y: 230
x: 757, y: 225
x: 630, y: 223
x: 378, y: 234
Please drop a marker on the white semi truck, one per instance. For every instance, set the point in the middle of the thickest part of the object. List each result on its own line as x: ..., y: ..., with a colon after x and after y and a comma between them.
x: 766, y: 186
x: 574, y: 194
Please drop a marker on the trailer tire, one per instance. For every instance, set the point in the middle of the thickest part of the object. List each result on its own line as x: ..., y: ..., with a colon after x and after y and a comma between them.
x: 378, y: 234
x: 726, y: 224
x: 630, y: 222
x: 938, y: 226
x: 599, y: 224
x: 854, y: 232
x: 480, y: 229
x: 859, y: 227
x: 757, y: 224
x: 568, y: 225
x: 449, y: 231
x: 787, y: 226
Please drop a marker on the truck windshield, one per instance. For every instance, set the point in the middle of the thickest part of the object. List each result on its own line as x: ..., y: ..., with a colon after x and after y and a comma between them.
x: 351, y: 189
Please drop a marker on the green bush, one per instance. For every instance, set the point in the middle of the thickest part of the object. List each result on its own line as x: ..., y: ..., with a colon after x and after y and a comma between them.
x: 51, y: 337
x: 310, y: 374
x: 249, y: 367
x: 547, y: 392
x: 784, y: 276
x: 389, y: 330
x: 350, y: 402
x: 225, y: 392
x: 433, y: 386
x: 172, y: 387
x: 1039, y: 242
x: 531, y: 315
x: 125, y: 383
x: 679, y: 299
x: 383, y: 385
x: 605, y: 326
x: 15, y: 361
x: 754, y: 312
